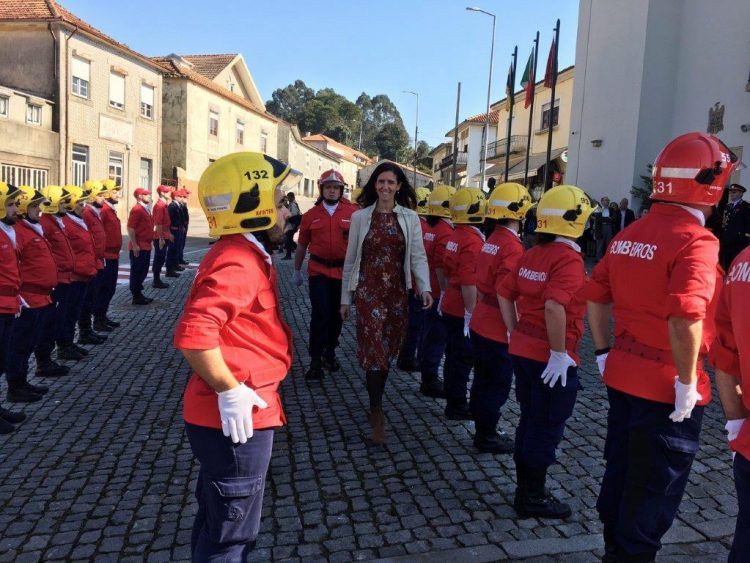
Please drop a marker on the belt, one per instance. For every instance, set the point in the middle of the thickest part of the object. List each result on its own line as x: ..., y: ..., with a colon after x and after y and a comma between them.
x: 327, y: 263
x: 7, y: 291
x: 36, y: 289
x: 491, y: 301
x: 627, y: 343
x: 535, y: 331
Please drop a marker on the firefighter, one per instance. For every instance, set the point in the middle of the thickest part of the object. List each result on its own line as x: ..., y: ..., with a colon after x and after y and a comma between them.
x: 92, y: 217
x: 177, y: 227
x: 658, y: 278
x: 140, y: 236
x: 113, y: 245
x: 408, y: 359
x: 38, y: 279
x: 545, y: 288
x: 432, y: 345
x: 232, y: 334
x: 51, y: 327
x: 184, y: 194
x: 493, y: 368
x: 162, y: 236
x: 467, y: 207
x: 729, y: 355
x: 10, y: 286
x: 324, y: 231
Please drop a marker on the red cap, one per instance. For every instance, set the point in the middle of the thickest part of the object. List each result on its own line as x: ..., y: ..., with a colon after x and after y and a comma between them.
x: 331, y: 177
x: 162, y: 189
x: 181, y: 193
x: 141, y: 191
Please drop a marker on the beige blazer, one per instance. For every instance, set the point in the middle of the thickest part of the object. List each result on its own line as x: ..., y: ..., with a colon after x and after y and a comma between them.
x: 415, y: 257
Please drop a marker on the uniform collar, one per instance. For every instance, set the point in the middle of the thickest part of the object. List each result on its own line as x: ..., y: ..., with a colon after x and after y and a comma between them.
x: 694, y: 212
x: 569, y: 243
x: 96, y: 210
x: 77, y: 220
x: 515, y: 233
x: 146, y: 206
x: 448, y: 221
x: 331, y: 209
x: 36, y: 226
x: 10, y: 232
x: 250, y: 237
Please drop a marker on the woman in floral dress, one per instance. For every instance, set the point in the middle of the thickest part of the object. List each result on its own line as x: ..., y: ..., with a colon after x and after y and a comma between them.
x: 385, y: 248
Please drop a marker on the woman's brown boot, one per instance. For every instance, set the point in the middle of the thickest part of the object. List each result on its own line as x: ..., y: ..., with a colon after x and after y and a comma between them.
x: 377, y: 422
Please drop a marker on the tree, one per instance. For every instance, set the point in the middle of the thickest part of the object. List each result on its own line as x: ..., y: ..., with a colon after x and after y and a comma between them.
x: 424, y: 160
x: 287, y: 103
x: 644, y: 193
x: 331, y: 114
x: 376, y: 113
x: 391, y: 141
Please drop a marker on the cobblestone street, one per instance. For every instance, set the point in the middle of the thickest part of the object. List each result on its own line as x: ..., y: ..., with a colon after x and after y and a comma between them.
x: 102, y: 470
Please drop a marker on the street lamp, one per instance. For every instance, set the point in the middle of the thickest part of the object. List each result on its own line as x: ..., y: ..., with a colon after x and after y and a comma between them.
x: 416, y: 133
x: 486, y: 131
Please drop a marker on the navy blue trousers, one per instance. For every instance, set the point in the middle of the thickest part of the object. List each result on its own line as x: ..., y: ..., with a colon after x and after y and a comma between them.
x: 432, y: 346
x: 741, y: 544
x: 181, y: 245
x: 544, y: 411
x: 75, y: 297
x: 459, y: 359
x: 230, y: 487
x: 160, y: 257
x: 138, y: 270
x: 45, y: 342
x: 325, y: 316
x: 413, y: 337
x: 93, y: 288
x: 107, y: 286
x: 648, y: 459
x: 21, y: 344
x: 493, y: 376
x: 6, y: 326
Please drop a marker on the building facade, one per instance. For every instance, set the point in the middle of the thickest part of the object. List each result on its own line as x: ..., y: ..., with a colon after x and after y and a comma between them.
x: 306, y: 158
x: 352, y: 160
x: 468, y: 156
x: 652, y: 70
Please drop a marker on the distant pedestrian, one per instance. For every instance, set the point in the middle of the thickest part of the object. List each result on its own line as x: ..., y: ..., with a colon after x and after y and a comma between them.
x: 735, y: 225
x: 627, y: 216
x: 177, y: 230
x: 162, y: 236
x: 605, y: 226
x: 295, y: 217
x: 385, y: 247
x: 140, y: 238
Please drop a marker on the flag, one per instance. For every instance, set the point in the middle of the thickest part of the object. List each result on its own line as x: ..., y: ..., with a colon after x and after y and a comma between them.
x: 550, y: 75
x: 509, y: 95
x: 528, y: 79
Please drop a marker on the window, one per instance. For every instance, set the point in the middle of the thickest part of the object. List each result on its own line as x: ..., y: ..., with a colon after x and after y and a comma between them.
x: 116, y: 90
x: 545, y: 115
x: 240, y: 133
x: 147, y: 101
x: 4, y: 104
x: 80, y: 164
x: 24, y: 176
x: 81, y: 72
x: 213, y: 123
x: 33, y: 114
x: 145, y: 174
x: 263, y: 142
x: 115, y: 167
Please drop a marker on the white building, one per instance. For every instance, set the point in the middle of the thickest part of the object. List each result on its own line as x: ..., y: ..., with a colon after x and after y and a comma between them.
x: 647, y: 71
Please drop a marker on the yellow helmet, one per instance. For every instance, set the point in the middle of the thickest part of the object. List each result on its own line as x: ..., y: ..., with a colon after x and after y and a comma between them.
x: 423, y: 198
x: 439, y: 204
x: 564, y: 210
x: 508, y: 201
x: 95, y: 188
x: 54, y: 196
x: 110, y: 186
x: 356, y: 192
x: 77, y: 195
x: 29, y: 196
x: 7, y: 192
x: 237, y: 192
x: 468, y: 206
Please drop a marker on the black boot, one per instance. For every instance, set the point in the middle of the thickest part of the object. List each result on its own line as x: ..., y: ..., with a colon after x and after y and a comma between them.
x: 536, y: 501
x: 81, y: 350
x: 432, y: 386
x: 69, y: 352
x: 611, y: 549
x: 12, y: 417
x: 110, y: 322
x: 458, y: 412
x: 315, y: 373
x: 38, y: 389
x: 5, y: 426
x: 21, y: 394
x: 407, y: 364
x: 51, y: 369
x: 158, y: 284
x: 172, y: 274
x: 141, y: 299
x: 331, y: 364
x: 494, y: 443
x: 101, y: 325
x: 520, y: 485
x: 87, y: 336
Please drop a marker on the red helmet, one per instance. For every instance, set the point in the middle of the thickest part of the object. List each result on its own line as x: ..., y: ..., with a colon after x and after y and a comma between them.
x: 693, y: 168
x: 331, y: 177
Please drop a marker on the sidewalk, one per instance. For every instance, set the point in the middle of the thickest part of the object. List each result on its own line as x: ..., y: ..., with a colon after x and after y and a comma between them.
x: 102, y: 469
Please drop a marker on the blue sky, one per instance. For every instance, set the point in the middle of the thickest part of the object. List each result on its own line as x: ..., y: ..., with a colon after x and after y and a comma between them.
x: 379, y: 47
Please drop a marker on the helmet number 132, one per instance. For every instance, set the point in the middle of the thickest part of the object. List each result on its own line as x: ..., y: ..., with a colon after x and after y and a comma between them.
x: 256, y: 174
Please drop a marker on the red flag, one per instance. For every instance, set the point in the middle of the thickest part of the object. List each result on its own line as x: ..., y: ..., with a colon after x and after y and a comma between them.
x: 550, y: 74
x: 528, y: 79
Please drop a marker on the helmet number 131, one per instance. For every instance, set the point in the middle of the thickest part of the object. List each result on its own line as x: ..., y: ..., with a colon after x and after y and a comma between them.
x: 661, y: 187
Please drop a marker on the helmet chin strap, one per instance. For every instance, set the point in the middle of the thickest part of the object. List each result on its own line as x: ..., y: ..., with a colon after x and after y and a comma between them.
x: 331, y: 201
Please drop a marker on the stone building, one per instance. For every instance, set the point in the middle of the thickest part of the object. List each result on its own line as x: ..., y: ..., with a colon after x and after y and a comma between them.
x: 304, y: 157
x: 352, y: 160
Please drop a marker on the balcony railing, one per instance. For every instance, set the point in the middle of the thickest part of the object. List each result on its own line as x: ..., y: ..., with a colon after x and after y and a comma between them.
x: 448, y: 160
x: 499, y: 148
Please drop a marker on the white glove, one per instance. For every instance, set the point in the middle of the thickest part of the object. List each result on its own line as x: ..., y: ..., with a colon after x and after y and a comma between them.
x: 440, y: 303
x: 236, y: 412
x: 557, y: 368
x: 733, y: 428
x: 467, y: 322
x: 601, y: 360
x: 685, y: 397
x: 297, y: 278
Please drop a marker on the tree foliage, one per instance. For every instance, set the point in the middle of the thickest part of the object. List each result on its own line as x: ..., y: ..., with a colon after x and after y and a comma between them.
x: 643, y: 193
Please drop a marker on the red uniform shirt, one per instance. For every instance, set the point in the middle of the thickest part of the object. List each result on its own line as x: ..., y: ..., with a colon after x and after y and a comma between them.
x: 551, y: 271
x: 161, y: 217
x: 37, y: 265
x: 326, y: 236
x: 435, y: 240
x: 10, y: 276
x: 113, y: 232
x: 141, y: 221
x: 663, y: 265
x: 233, y: 305
x: 82, y: 244
x: 730, y: 352
x: 499, y: 255
x: 459, y: 264
x: 93, y: 221
x: 59, y: 244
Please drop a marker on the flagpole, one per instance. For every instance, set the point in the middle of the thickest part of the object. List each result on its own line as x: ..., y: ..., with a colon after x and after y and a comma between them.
x: 455, y: 137
x: 531, y: 110
x: 510, y: 112
x: 551, y: 108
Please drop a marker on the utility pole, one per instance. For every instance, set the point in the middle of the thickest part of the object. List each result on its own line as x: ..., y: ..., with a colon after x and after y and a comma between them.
x: 455, y: 138
x: 416, y: 135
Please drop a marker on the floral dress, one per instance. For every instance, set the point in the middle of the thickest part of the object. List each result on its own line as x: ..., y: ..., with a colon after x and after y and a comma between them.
x: 381, y: 297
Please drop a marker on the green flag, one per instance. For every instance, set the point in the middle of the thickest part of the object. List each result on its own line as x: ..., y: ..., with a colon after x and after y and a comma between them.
x: 527, y: 80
